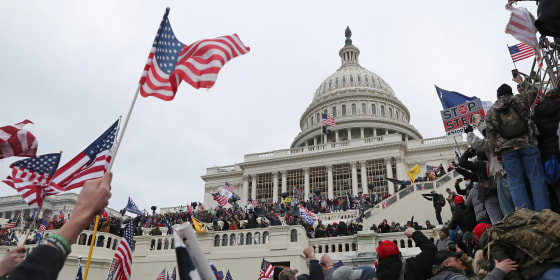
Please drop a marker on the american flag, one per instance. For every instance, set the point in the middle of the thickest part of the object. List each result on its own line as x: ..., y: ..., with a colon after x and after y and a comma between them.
x: 521, y: 26
x: 79, y: 273
x: 43, y: 226
x: 112, y: 269
x: 132, y: 208
x: 253, y: 202
x: 226, y: 193
x: 15, y: 141
x: 174, y: 274
x: 89, y: 164
x: 328, y: 120
x: 220, y: 199
x: 31, y: 176
x: 521, y: 51
x: 124, y: 255
x: 198, y: 64
x: 306, y: 215
x: 161, y: 276
x: 228, y: 276
x: 229, y: 187
x: 266, y: 270
x: 8, y: 226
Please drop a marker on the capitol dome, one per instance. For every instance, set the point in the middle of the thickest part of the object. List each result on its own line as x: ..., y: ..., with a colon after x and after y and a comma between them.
x: 361, y: 102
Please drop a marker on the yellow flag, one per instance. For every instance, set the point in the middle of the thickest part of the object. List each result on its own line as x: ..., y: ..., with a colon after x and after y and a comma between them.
x: 413, y: 172
x: 198, y: 226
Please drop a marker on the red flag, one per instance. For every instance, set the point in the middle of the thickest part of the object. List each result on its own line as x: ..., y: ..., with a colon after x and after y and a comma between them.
x: 104, y: 214
x: 15, y: 141
x: 198, y: 64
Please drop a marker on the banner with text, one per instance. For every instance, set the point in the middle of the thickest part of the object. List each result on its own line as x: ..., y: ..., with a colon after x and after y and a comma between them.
x: 455, y: 119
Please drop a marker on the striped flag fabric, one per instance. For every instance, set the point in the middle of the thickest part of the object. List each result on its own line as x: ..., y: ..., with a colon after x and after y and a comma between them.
x: 161, y: 276
x: 266, y: 271
x: 229, y: 187
x: 253, y: 202
x: 43, y: 226
x: 8, y: 226
x: 521, y: 51
x: 123, y: 255
x: 89, y: 164
x: 132, y: 208
x: 327, y: 120
x: 30, y: 177
x: 15, y: 141
x: 521, y: 26
x: 222, y: 200
x: 198, y: 64
x: 307, y: 216
x: 112, y: 269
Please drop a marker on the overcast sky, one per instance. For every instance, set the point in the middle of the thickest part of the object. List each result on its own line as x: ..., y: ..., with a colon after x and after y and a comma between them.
x: 72, y: 67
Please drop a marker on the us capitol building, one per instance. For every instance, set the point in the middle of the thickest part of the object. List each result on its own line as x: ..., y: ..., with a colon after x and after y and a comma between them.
x: 372, y: 140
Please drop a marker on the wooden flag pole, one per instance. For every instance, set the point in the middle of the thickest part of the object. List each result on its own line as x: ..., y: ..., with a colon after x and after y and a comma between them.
x: 109, y: 169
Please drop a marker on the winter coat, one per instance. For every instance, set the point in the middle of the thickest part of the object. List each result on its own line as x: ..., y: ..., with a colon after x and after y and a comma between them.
x: 462, y: 217
x: 473, y: 201
x: 523, y: 102
x: 546, y: 117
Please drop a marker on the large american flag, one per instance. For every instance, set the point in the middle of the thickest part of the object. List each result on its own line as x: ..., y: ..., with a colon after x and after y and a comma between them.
x: 15, y: 141
x: 198, y: 64
x: 266, y: 271
x: 123, y: 255
x: 521, y: 51
x: 521, y: 26
x: 220, y: 199
x: 31, y: 176
x: 132, y: 208
x: 328, y: 120
x: 89, y: 164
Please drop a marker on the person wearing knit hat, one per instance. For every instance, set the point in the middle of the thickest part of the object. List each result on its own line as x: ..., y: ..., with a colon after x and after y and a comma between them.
x: 479, y: 230
x: 390, y: 263
x: 517, y: 146
x: 459, y: 200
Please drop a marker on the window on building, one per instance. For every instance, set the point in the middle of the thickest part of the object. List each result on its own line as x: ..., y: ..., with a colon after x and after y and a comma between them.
x: 364, y: 110
x: 390, y: 112
x: 366, y: 79
x: 241, y: 238
x: 376, y: 173
x: 266, y: 237
x: 217, y: 241
x: 373, y: 109
x: 382, y: 110
x: 359, y: 78
x: 249, y: 239
x: 334, y: 112
x: 344, y: 110
x: 351, y: 78
x: 318, y: 178
x: 343, y: 79
x: 354, y: 109
x: 224, y: 240
x: 336, y: 81
x: 295, y: 179
x: 293, y: 235
x: 396, y: 111
x: 342, y: 179
x: 264, y: 187
x: 257, y: 238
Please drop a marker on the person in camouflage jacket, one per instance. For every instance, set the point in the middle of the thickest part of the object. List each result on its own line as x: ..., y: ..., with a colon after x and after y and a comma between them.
x: 520, y: 155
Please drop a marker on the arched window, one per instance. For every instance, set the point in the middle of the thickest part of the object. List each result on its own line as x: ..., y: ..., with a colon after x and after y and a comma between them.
x: 232, y: 239
x: 359, y: 79
x: 373, y: 109
x: 364, y: 108
x: 108, y: 243
x: 334, y: 112
x: 249, y: 239
x: 382, y: 110
x: 166, y: 244
x: 318, y: 117
x: 82, y: 239
x: 241, y: 239
x: 354, y: 109
x: 257, y: 238
x: 372, y: 80
x: 115, y: 244
x: 390, y: 112
x: 217, y: 241
x: 397, y: 112
x: 336, y: 81
x: 100, y: 241
x: 344, y: 110
x: 224, y: 240
x: 366, y: 79
x: 266, y: 237
x: 159, y: 243
x: 293, y: 235
x: 311, y: 120
x: 344, y: 79
x: 351, y: 78
x: 330, y: 82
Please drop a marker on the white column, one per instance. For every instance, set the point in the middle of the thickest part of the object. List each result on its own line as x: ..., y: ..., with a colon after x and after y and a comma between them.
x: 330, y: 190
x: 354, y: 177
x: 374, y: 132
x: 314, y: 141
x: 245, y: 193
x: 364, y: 176
x: 362, y: 132
x: 284, y: 180
x: 400, y: 169
x: 390, y: 185
x: 254, y: 188
x: 336, y: 135
x: 275, y: 186
x: 349, y: 134
x: 306, y: 183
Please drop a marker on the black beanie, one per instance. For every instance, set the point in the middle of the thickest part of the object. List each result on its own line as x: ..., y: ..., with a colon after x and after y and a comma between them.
x: 504, y: 90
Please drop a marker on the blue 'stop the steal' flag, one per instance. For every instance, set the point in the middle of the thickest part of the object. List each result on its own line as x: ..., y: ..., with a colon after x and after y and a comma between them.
x: 132, y: 208
x: 451, y: 98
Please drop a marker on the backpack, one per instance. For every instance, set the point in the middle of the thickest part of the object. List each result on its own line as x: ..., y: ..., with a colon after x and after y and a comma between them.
x: 511, y: 124
x: 536, y: 234
x: 439, y: 200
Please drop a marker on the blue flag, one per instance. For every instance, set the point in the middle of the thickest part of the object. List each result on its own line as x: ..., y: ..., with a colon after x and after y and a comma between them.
x: 451, y: 98
x: 132, y: 208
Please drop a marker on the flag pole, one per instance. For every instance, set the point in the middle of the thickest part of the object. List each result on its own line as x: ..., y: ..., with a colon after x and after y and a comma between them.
x: 32, y: 225
x: 109, y: 169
